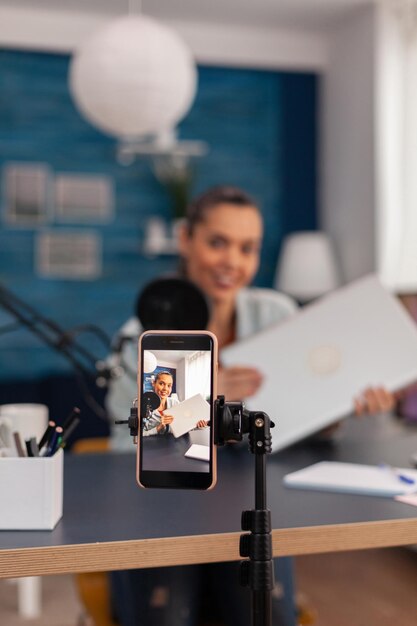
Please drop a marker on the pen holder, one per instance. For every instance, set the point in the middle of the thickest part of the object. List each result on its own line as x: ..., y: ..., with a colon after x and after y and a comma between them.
x: 31, y: 492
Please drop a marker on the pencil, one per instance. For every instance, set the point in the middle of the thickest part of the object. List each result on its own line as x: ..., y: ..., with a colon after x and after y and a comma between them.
x: 47, y: 434
x: 18, y: 444
x: 68, y: 432
x: 32, y: 447
x: 75, y: 413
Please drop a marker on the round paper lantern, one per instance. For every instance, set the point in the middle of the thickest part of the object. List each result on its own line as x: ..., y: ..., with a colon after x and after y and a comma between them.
x: 134, y: 77
x: 149, y: 362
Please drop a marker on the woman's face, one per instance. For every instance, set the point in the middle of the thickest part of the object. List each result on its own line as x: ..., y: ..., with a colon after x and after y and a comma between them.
x: 163, y: 386
x: 222, y: 253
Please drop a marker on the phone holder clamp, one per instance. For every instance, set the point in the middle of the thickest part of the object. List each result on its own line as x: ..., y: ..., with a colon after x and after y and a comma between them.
x: 132, y: 421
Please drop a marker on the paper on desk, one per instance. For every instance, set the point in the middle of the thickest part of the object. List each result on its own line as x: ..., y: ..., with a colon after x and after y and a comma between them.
x: 370, y: 480
x: 196, y: 451
x: 408, y: 499
x: 187, y: 414
x: 318, y: 360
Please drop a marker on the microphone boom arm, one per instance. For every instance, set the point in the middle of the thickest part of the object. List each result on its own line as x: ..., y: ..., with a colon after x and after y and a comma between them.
x: 53, y: 335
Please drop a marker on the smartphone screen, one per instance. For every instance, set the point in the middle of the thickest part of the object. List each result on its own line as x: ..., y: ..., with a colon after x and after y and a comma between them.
x: 176, y: 381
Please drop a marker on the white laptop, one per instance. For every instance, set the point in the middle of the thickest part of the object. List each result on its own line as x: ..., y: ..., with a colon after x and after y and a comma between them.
x: 318, y: 360
x: 187, y: 414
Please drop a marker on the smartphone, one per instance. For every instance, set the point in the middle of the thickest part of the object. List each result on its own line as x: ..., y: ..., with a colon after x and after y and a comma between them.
x: 177, y: 375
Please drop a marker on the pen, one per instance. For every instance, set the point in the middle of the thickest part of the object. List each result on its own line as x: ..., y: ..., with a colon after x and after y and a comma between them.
x: 47, y: 434
x: 18, y: 444
x: 32, y: 447
x: 401, y: 477
x: 54, y: 441
x: 74, y: 415
x: 68, y: 431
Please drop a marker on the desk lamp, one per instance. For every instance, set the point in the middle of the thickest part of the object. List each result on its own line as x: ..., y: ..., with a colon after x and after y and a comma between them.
x: 307, y: 267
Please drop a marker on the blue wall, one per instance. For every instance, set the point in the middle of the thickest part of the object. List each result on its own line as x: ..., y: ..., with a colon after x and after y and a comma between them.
x: 261, y: 129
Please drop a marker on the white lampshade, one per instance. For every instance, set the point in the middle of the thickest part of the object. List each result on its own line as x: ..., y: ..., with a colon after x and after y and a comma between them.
x: 134, y: 77
x: 149, y: 362
x: 307, y: 266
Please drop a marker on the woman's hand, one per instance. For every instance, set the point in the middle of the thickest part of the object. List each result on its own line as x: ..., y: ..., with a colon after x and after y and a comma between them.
x: 375, y: 400
x: 166, y: 420
x: 237, y: 383
x: 201, y: 424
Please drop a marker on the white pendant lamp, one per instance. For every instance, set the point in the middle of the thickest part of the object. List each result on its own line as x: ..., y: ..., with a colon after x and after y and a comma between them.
x: 133, y: 78
x: 149, y: 362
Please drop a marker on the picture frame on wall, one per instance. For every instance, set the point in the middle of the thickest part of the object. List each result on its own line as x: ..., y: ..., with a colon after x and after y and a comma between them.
x: 26, y: 194
x: 68, y: 255
x: 83, y: 198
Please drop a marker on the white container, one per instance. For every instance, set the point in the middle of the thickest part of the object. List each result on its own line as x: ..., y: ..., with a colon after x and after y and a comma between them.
x: 31, y: 492
x: 29, y: 419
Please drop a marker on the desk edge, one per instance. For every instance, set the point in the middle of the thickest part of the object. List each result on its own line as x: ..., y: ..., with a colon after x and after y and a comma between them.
x: 188, y: 550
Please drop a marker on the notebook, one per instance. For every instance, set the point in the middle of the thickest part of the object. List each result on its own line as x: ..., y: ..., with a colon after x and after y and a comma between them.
x: 196, y: 451
x: 187, y: 414
x: 315, y: 362
x: 370, y: 480
x: 201, y: 436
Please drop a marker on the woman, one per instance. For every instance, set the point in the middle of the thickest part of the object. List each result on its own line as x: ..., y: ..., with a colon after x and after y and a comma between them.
x: 158, y: 422
x: 221, y: 259
x: 219, y: 246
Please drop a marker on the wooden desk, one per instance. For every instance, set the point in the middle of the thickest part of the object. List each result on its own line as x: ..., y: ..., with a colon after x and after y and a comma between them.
x: 109, y: 523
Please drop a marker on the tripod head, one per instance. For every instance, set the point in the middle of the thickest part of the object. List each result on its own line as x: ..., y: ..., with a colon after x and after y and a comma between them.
x: 232, y: 420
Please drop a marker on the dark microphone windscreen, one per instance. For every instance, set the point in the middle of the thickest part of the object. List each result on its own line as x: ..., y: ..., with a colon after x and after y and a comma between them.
x: 150, y: 401
x: 172, y: 304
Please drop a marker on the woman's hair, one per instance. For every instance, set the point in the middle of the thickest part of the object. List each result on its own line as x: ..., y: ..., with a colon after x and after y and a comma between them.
x: 198, y: 208
x: 159, y: 374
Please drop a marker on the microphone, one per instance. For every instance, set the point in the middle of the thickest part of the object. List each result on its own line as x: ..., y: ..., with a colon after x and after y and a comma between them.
x: 113, y: 366
x: 110, y: 369
x: 150, y: 402
x: 169, y: 303
x: 172, y: 304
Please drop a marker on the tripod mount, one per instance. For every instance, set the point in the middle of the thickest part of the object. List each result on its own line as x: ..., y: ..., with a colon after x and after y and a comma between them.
x: 231, y: 421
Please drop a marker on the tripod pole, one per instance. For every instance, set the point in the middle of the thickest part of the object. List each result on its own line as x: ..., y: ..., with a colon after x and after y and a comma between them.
x: 261, y: 600
x: 258, y: 571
